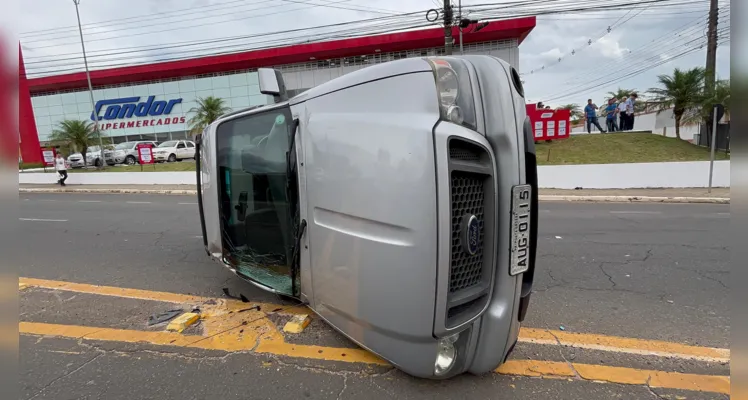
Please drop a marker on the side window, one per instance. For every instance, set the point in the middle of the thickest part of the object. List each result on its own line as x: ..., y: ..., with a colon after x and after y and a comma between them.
x: 190, y: 145
x: 180, y: 145
x: 256, y: 215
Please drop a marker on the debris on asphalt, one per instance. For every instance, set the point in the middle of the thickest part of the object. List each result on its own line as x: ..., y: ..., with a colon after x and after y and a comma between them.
x: 559, y: 237
x: 562, y: 328
x: 249, y: 309
x: 240, y: 297
x: 163, y: 317
x: 183, y: 322
x: 297, y: 324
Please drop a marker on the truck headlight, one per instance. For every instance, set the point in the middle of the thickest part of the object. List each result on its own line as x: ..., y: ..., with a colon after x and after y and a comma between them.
x: 455, y: 91
x: 446, y: 354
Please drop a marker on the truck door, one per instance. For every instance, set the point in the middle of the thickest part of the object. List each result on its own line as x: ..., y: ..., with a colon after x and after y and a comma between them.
x: 257, y: 224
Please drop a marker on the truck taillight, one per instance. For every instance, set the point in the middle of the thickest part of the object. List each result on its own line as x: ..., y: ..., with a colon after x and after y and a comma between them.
x: 454, y: 90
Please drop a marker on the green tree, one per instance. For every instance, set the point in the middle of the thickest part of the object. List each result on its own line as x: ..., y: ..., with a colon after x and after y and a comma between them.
x: 683, y: 91
x: 575, y: 111
x: 76, y: 134
x: 721, y: 95
x: 208, y: 110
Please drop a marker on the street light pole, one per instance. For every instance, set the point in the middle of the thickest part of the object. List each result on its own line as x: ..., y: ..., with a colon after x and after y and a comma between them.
x: 90, y: 89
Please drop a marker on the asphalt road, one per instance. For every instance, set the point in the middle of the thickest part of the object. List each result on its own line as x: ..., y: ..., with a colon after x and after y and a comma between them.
x: 647, y: 271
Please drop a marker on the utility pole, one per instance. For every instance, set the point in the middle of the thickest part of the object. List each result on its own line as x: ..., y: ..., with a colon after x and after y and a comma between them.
x: 448, y: 16
x: 90, y: 90
x: 711, y: 49
x: 459, y: 11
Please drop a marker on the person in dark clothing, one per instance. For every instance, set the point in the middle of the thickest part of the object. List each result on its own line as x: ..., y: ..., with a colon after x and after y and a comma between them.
x: 590, y: 115
x: 611, y: 111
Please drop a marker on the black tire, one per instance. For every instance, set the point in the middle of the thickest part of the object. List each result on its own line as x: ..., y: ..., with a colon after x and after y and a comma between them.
x: 97, y: 163
x: 172, y: 157
x: 130, y: 160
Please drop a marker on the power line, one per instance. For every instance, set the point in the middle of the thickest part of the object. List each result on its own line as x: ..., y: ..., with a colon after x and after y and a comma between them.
x: 202, y: 18
x: 657, y: 45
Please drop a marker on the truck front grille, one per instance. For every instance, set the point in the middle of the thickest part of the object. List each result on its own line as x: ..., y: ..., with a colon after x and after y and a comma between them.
x: 468, y: 195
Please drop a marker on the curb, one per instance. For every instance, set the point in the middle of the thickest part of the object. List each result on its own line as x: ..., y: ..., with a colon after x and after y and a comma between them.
x: 567, y: 198
x: 636, y: 199
x: 180, y: 192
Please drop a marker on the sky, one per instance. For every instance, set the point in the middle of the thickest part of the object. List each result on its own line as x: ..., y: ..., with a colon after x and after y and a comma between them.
x: 593, y: 62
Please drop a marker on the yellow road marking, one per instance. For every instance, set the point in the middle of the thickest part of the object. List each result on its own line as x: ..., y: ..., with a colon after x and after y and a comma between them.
x: 623, y: 345
x: 618, y: 375
x: 224, y: 316
x: 530, y: 368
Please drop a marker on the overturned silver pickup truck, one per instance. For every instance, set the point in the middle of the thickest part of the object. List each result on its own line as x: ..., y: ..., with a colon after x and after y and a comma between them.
x: 398, y: 201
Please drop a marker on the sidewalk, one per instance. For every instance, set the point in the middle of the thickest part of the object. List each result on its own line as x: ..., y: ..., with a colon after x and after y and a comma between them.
x: 689, y: 195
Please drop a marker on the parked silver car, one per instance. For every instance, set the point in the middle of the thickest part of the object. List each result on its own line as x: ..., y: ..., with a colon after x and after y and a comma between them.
x: 93, y: 157
x: 126, y: 153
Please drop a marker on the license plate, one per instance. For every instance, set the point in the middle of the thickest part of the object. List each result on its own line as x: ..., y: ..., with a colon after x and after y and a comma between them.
x: 520, y: 241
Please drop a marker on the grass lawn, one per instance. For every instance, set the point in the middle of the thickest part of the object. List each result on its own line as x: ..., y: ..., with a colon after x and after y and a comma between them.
x: 621, y: 148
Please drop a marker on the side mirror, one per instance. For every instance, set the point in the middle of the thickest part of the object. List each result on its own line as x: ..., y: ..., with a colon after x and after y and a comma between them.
x: 271, y: 83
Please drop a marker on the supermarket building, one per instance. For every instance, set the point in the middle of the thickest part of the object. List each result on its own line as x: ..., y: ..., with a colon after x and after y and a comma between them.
x: 152, y: 102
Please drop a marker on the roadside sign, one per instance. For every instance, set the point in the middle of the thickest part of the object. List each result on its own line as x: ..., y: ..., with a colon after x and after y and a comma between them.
x: 145, y: 154
x: 548, y: 124
x: 48, y: 155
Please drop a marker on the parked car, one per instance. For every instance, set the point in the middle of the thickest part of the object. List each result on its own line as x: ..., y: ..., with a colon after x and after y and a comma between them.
x: 174, y: 150
x: 126, y: 153
x: 93, y: 157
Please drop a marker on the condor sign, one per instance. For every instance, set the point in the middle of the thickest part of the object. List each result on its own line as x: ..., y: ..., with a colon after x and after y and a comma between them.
x: 128, y: 107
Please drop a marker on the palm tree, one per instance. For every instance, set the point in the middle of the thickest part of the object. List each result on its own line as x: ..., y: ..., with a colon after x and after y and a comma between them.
x: 75, y: 133
x: 574, y: 111
x: 720, y: 95
x: 683, y: 92
x: 208, y: 110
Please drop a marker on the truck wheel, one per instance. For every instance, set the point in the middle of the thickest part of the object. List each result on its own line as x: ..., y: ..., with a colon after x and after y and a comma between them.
x: 172, y: 157
x: 130, y: 160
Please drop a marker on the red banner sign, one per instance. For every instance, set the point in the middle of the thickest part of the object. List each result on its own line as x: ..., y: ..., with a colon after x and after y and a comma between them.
x: 549, y: 124
x: 48, y: 155
x: 145, y: 153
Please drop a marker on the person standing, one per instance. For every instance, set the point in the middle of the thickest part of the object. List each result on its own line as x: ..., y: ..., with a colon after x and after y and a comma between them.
x: 61, y: 167
x: 590, y: 115
x: 630, y: 103
x: 610, y: 115
x: 622, y: 114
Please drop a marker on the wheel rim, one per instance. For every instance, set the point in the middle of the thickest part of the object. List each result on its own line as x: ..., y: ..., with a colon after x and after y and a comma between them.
x: 172, y: 158
x: 130, y: 161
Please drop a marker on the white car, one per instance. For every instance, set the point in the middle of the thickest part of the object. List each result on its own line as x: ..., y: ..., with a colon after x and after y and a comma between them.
x: 174, y: 150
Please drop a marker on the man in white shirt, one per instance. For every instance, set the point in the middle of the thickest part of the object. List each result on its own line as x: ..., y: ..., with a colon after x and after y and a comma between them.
x: 62, y: 169
x: 622, y: 114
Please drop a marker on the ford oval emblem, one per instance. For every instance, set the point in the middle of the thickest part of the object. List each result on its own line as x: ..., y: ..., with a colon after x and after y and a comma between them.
x: 471, y: 235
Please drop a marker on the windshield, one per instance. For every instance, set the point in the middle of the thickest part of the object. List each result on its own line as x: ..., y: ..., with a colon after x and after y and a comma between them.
x: 171, y: 143
x: 256, y: 218
x: 123, y: 146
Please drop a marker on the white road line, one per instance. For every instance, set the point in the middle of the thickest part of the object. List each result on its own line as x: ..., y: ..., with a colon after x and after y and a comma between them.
x: 42, y: 220
x: 138, y: 202
x: 89, y: 201
x: 187, y: 204
x: 636, y: 212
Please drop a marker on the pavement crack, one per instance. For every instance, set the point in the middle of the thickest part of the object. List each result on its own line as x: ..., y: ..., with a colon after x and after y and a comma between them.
x: 610, y: 277
x: 651, y: 390
x: 63, y: 376
x: 561, y: 352
x: 345, y: 386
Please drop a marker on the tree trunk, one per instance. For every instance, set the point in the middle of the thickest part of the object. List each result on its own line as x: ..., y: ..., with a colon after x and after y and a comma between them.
x: 677, y: 125
x: 84, y: 151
